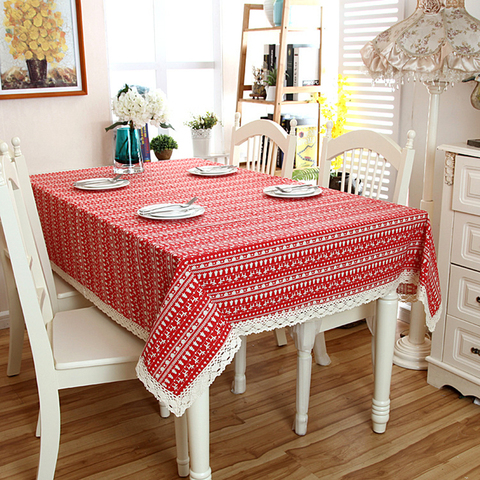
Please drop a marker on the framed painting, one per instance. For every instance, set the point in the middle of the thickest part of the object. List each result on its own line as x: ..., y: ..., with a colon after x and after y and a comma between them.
x: 41, y: 49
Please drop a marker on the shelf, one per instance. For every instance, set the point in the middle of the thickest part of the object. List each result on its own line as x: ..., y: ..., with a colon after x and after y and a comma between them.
x: 283, y: 31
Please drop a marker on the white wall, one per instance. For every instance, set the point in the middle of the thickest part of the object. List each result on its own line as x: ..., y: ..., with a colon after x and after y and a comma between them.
x: 458, y: 121
x: 61, y: 133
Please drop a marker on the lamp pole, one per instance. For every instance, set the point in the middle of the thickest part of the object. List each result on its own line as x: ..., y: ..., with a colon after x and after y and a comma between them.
x: 411, y: 351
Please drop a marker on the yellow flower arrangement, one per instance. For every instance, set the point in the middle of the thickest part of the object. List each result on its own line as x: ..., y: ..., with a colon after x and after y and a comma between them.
x: 33, y: 29
x: 337, y: 112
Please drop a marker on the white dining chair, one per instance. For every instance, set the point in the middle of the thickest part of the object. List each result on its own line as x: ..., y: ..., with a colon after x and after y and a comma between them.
x: 65, y: 298
x: 70, y: 348
x: 261, y: 141
x: 368, y: 163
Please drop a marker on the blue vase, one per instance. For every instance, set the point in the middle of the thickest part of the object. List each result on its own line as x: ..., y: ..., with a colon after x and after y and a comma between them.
x: 128, y: 152
x: 278, y: 13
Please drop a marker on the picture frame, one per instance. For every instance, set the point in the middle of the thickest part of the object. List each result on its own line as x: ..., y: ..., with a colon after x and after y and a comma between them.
x: 42, y: 52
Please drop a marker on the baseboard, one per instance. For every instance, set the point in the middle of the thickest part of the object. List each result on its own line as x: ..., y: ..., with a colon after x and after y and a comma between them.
x: 4, y: 320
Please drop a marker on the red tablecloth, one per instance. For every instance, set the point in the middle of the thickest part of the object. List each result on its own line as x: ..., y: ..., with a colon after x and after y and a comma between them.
x: 250, y: 263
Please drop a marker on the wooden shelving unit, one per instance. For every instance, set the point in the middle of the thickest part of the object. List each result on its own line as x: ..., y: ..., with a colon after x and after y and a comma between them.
x: 283, y: 32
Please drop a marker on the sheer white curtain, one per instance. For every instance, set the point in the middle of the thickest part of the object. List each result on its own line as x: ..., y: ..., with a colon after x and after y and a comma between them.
x: 174, y: 46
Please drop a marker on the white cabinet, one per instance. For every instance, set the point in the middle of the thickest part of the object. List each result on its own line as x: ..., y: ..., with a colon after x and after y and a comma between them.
x: 455, y: 355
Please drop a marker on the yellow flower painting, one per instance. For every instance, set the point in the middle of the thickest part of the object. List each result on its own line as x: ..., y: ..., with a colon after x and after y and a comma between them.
x: 34, y: 30
x: 37, y: 44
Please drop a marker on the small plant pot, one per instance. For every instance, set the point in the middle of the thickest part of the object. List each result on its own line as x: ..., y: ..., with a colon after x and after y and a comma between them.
x: 271, y: 91
x: 164, y: 154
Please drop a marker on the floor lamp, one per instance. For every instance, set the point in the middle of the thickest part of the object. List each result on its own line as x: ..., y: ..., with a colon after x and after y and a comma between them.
x: 438, y: 45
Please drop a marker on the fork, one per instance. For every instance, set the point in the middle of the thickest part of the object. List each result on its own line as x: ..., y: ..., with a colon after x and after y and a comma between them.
x: 101, y: 180
x: 286, y: 189
x: 169, y: 208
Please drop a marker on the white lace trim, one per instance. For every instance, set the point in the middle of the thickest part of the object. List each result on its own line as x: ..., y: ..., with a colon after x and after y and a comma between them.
x: 106, y: 309
x: 178, y: 404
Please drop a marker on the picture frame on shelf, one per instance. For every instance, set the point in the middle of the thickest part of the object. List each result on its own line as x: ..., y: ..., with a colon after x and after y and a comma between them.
x: 42, y: 52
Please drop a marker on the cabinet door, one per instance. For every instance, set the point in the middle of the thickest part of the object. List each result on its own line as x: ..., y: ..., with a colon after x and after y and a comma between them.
x: 466, y: 241
x: 466, y: 189
x: 464, y: 294
x: 462, y: 345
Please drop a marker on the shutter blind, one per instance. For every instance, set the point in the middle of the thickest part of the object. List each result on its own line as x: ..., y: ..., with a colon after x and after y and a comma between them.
x: 371, y: 107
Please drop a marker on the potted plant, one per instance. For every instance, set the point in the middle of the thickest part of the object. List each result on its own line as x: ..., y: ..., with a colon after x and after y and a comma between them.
x: 259, y: 84
x: 163, y: 146
x: 201, y: 128
x: 271, y: 81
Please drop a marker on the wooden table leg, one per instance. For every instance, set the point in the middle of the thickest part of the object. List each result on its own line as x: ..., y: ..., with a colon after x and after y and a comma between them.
x: 181, y: 438
x: 239, y: 384
x: 304, y: 337
x: 198, y: 419
x: 384, y: 344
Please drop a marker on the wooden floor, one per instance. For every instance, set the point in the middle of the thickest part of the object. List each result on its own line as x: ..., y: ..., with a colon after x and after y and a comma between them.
x: 114, y: 432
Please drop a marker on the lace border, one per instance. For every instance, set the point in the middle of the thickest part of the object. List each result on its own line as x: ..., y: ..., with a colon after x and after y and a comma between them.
x: 106, y: 309
x: 178, y: 404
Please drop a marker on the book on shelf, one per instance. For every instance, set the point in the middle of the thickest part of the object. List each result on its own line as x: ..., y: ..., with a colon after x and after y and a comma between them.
x: 305, y: 69
x: 289, y: 70
x: 145, y: 143
x: 306, y: 132
x: 306, y: 152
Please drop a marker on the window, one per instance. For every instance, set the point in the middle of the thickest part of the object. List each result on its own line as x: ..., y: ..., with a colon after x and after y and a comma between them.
x: 373, y: 107
x: 174, y: 46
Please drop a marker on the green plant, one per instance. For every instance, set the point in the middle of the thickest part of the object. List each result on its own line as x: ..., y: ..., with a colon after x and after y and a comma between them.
x: 203, y: 122
x: 163, y: 142
x: 309, y: 173
x: 271, y: 78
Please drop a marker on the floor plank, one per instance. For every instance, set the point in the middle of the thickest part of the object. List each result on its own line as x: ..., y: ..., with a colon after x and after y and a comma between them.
x: 115, y: 432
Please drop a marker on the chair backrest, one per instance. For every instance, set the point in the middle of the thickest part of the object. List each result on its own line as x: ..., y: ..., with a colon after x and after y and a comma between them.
x: 263, y: 139
x: 22, y: 251
x: 364, y: 161
x: 25, y: 188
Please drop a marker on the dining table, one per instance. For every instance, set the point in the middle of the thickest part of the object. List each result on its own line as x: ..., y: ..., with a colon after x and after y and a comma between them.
x: 249, y: 255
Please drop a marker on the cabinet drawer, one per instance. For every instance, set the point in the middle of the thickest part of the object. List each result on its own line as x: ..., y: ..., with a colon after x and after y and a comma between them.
x: 464, y: 294
x: 466, y: 241
x: 462, y: 345
x: 466, y: 188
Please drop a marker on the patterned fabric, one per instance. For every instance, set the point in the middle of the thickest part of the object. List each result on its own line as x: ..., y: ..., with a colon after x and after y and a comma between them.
x: 250, y: 263
x: 436, y: 42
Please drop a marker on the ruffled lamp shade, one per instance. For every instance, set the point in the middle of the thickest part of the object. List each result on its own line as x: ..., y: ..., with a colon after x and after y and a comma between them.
x: 436, y: 43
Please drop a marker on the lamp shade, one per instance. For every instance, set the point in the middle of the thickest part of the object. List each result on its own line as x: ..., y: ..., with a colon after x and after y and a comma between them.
x: 438, y: 42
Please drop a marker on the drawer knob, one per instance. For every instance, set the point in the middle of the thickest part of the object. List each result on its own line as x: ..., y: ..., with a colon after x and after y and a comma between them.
x: 475, y: 350
x: 478, y: 299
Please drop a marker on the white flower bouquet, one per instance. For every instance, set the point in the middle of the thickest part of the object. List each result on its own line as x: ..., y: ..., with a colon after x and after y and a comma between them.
x: 137, y: 106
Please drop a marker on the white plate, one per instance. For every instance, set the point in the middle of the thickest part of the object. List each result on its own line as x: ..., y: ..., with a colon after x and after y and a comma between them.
x: 297, y: 192
x: 177, y: 213
x: 100, y: 184
x: 213, y: 170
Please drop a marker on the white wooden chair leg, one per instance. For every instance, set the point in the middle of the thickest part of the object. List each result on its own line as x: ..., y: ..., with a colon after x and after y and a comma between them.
x: 198, y: 419
x: 38, y: 430
x: 164, y: 411
x: 181, y: 438
x: 304, y: 337
x: 50, y: 436
x: 371, y: 326
x: 239, y: 384
x: 384, y: 343
x: 280, y: 336
x: 320, y: 350
x: 17, y: 331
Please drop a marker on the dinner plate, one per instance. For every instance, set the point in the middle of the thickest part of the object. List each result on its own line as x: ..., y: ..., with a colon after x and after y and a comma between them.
x: 100, y: 184
x: 175, y: 214
x: 213, y: 170
x: 297, y: 192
